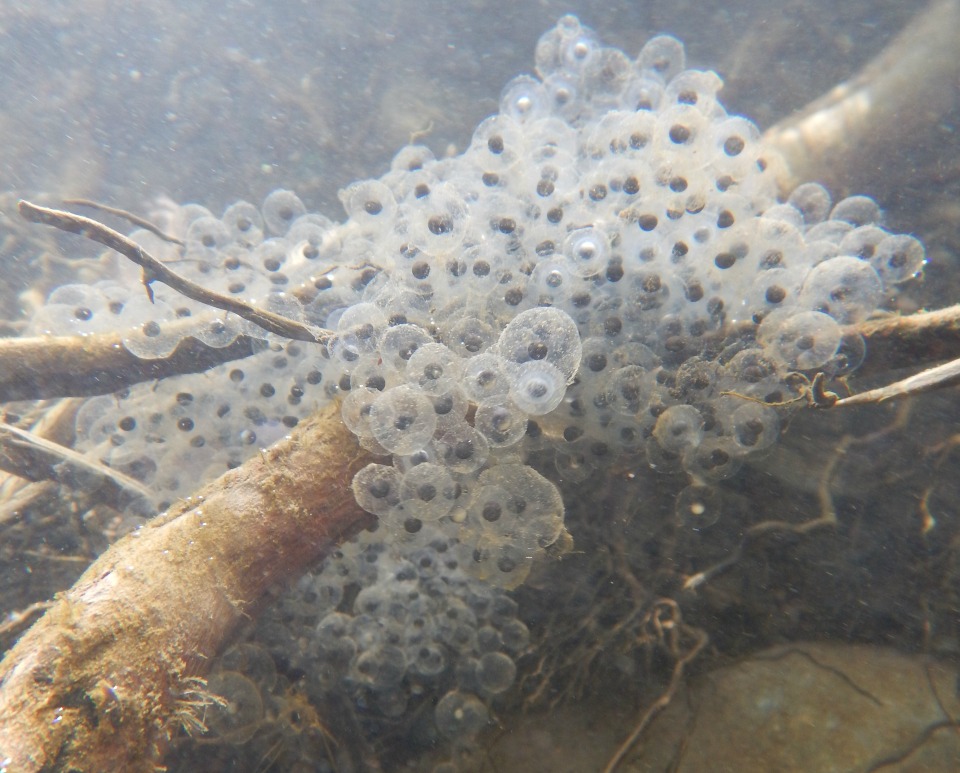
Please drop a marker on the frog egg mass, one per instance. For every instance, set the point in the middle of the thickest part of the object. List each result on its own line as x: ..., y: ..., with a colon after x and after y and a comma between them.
x: 605, y: 274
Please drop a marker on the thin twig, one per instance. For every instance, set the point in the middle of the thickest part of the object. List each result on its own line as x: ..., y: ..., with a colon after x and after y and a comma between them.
x: 36, y: 459
x: 156, y: 271
x: 941, y: 377
x: 128, y: 216
x: 17, y: 619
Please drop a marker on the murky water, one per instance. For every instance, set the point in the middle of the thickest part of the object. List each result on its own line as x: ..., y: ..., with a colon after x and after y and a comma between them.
x: 143, y: 106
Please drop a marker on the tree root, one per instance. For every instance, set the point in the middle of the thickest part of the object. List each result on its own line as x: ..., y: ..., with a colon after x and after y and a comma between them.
x: 115, y: 666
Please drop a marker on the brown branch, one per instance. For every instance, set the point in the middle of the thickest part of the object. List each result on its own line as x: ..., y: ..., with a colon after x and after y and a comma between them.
x: 33, y: 458
x: 108, y: 674
x: 82, y: 366
x: 907, y: 341
x: 128, y: 216
x: 941, y: 377
x: 156, y: 271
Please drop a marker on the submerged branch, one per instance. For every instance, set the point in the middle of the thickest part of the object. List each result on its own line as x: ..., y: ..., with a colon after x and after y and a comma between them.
x: 104, y: 679
x: 83, y: 366
x: 35, y: 459
x: 156, y: 271
x: 128, y: 216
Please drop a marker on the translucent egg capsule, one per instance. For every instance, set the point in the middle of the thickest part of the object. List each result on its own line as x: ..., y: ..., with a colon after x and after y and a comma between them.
x: 153, y: 339
x: 380, y: 667
x: 355, y: 410
x: 434, y: 369
x: 427, y: 659
x: 450, y: 407
x: 714, y: 459
x: 698, y: 507
x: 605, y: 75
x: 532, y: 514
x: 484, y: 376
x: 537, y: 388
x: 500, y: 562
x: 436, y: 224
x: 678, y: 428
x: 587, y: 251
x: 778, y: 288
x: 377, y: 488
x: 359, y: 329
x: 244, y: 223
x: 560, y: 90
x: 857, y: 210
x: 579, y: 49
x: 500, y: 421
x: 403, y: 420
x: 271, y: 255
x: 370, y: 204
x: 497, y: 144
x: 487, y: 508
x: 428, y: 491
x: 496, y: 672
x: 468, y: 336
x: 206, y: 236
x: 850, y: 354
x: 550, y: 47
x: 552, y: 282
x: 898, y: 258
x: 698, y: 88
x: 280, y: 209
x: 312, y: 238
x: 628, y: 389
x: 662, y: 56
x: 460, y: 715
x: 813, y: 202
x: 240, y: 708
x: 736, y: 144
x: 524, y: 100
x: 802, y: 341
x: 754, y: 427
x: 461, y: 448
x: 542, y: 334
x: 619, y: 133
x: 399, y: 343
x: 848, y: 289
x: 514, y: 632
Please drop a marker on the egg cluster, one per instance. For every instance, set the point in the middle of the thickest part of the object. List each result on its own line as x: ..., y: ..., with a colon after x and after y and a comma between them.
x: 605, y: 273
x: 400, y: 624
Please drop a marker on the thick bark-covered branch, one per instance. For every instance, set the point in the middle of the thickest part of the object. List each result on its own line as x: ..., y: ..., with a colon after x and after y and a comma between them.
x: 108, y: 674
x: 43, y: 367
